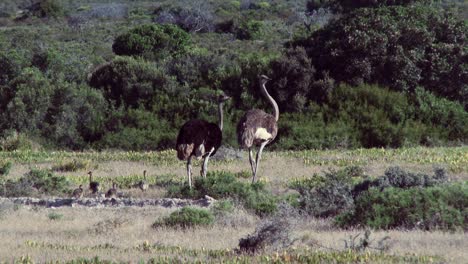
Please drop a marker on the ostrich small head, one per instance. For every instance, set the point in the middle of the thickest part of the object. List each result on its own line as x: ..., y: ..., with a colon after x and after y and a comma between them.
x: 264, y: 79
x: 223, y: 98
x: 80, y: 187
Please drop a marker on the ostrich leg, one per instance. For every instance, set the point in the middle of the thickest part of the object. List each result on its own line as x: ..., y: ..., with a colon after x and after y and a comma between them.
x: 259, y: 156
x: 205, y: 163
x: 252, y: 162
x: 189, y: 171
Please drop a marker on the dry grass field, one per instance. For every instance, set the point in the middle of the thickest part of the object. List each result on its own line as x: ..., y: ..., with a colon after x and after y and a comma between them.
x: 125, y: 234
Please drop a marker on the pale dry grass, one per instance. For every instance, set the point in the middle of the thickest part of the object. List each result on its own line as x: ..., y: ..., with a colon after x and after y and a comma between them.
x: 451, y: 246
x: 119, y: 232
x: 28, y: 231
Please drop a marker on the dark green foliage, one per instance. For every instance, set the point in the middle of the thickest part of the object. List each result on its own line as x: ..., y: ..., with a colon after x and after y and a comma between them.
x: 47, y: 9
x: 5, y: 168
x: 187, y: 217
x: 36, y: 182
x: 9, y: 67
x: 221, y: 185
x: 448, y: 116
x: 75, y: 117
x: 192, y: 16
x: 154, y: 41
x: 46, y: 182
x: 222, y: 207
x: 399, y: 178
x: 377, y: 114
x: 399, y: 47
x: 25, y: 101
x: 349, y: 5
x: 250, y: 30
x: 293, y: 75
x: 440, y: 207
x: 325, y: 195
x: 54, y: 216
x: 130, y: 81
x: 140, y: 102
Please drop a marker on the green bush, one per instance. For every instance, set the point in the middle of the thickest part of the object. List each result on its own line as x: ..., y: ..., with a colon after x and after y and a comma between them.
x: 447, y: 115
x: 325, y: 195
x: 187, y: 217
x: 153, y: 41
x: 55, y: 216
x: 5, y: 167
x: 377, y: 114
x: 133, y: 82
x: 46, y: 182
x: 220, y: 185
x: 25, y: 101
x: 222, y: 207
x: 399, y: 47
x: 441, y: 207
x: 398, y: 178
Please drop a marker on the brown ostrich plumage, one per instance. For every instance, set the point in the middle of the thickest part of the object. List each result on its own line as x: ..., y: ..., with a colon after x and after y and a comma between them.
x: 257, y: 128
x: 250, y: 123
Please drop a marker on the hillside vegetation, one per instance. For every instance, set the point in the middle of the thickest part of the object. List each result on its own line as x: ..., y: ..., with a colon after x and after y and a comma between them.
x: 127, y: 74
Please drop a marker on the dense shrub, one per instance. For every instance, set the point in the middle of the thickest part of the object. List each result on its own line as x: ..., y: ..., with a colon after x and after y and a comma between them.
x: 399, y: 47
x: 36, y: 182
x: 273, y: 233
x: 221, y: 185
x: 440, y: 207
x: 186, y: 217
x: 132, y: 82
x: 153, y: 41
x: 5, y: 167
x: 439, y: 112
x: 75, y: 117
x: 46, y: 9
x: 192, y: 16
x: 46, y: 182
x: 325, y: 195
x: 399, y: 178
x: 349, y: 5
x: 377, y: 114
x: 25, y: 101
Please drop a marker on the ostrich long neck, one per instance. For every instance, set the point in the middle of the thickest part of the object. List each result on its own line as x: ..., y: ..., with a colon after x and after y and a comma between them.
x: 272, y: 101
x: 220, y: 115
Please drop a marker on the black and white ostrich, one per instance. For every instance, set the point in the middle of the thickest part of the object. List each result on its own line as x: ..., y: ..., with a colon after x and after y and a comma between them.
x: 201, y: 139
x: 94, y: 186
x: 257, y: 128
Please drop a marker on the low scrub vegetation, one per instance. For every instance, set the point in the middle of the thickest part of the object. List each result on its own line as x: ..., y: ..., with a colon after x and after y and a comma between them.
x: 186, y: 217
x: 441, y: 207
x: 36, y: 182
x: 223, y: 184
x: 326, y: 194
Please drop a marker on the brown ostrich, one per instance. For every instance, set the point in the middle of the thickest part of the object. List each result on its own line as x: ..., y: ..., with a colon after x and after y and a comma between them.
x: 78, y: 193
x: 112, y: 192
x: 143, y: 184
x: 94, y: 186
x: 201, y: 139
x: 257, y: 128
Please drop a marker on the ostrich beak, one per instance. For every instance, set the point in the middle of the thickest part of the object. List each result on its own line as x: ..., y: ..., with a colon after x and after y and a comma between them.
x: 264, y: 77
